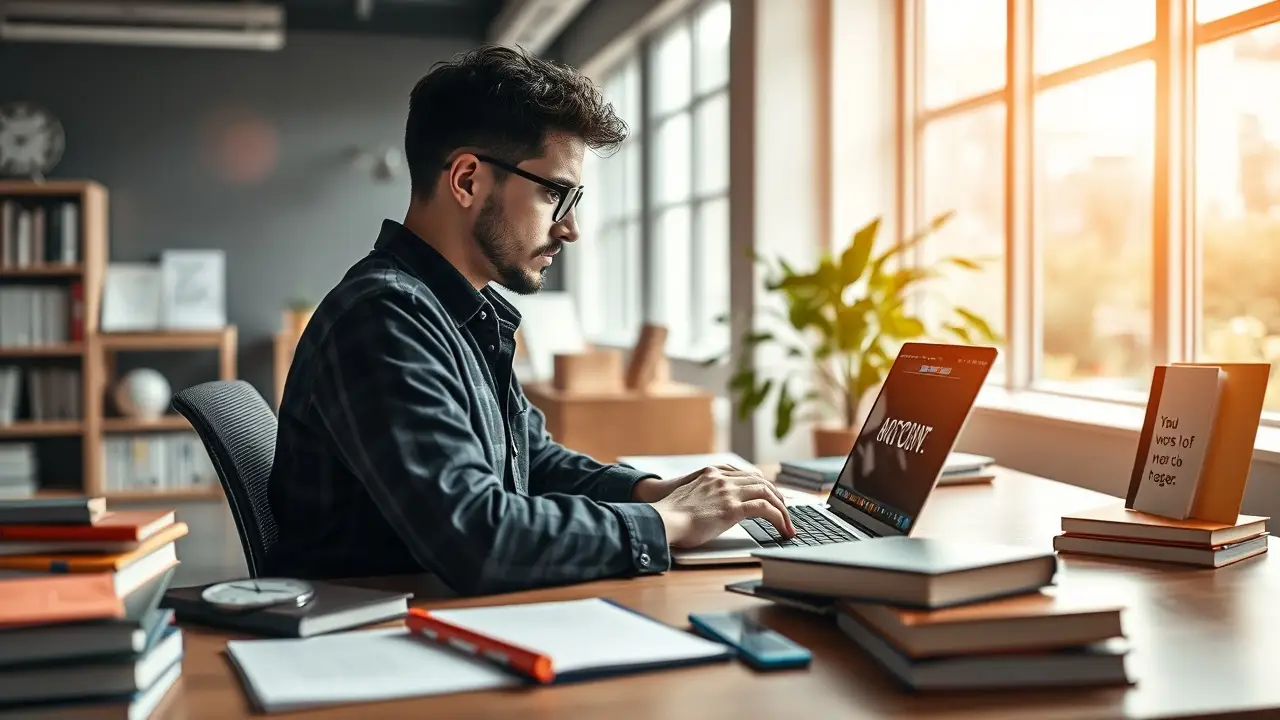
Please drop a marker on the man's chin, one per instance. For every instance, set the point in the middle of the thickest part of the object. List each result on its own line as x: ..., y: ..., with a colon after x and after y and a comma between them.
x: 527, y: 281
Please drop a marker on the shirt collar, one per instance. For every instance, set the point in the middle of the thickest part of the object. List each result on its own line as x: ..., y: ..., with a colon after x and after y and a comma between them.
x: 460, y: 299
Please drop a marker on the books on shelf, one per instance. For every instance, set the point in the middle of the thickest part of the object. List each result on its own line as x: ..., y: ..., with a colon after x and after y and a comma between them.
x: 36, y: 315
x: 36, y: 232
x: 156, y: 462
x: 81, y: 628
x: 1115, y: 531
x: 19, y: 467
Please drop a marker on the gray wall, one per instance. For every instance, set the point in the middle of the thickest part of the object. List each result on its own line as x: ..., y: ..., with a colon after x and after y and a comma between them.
x: 152, y: 123
x: 146, y: 123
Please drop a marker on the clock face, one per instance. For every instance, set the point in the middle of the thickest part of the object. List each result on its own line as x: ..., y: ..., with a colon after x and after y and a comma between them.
x: 258, y: 592
x: 31, y: 140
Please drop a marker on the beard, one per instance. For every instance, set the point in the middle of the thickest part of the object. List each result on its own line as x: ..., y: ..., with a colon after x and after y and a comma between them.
x: 502, y: 247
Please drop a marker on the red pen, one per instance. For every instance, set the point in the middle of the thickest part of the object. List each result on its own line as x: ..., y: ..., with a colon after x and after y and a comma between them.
x: 526, y: 662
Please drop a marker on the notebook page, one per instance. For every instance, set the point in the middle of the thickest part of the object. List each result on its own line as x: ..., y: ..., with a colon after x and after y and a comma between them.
x: 361, y: 666
x: 584, y: 634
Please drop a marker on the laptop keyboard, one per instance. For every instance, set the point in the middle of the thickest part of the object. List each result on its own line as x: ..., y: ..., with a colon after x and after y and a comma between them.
x: 812, y: 528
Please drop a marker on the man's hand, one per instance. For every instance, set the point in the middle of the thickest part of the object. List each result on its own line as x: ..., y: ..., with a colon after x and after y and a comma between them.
x: 651, y: 490
x: 701, y: 505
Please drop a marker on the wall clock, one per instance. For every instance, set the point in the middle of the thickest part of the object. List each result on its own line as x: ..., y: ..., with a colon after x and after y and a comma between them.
x: 31, y: 140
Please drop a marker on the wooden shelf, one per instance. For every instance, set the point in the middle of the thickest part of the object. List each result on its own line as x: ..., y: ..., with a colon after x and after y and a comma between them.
x: 44, y: 428
x: 42, y: 271
x: 43, y: 351
x: 130, y: 425
x: 166, y: 495
x: 193, y: 340
x: 49, y: 187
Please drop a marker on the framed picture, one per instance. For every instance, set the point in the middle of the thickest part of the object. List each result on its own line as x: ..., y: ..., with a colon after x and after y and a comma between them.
x: 195, y: 289
x: 131, y: 298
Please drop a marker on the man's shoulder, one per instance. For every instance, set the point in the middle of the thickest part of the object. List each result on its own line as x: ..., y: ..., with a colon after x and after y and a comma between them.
x: 376, y: 285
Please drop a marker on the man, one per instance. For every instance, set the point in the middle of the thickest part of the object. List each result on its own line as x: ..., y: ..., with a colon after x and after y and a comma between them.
x: 406, y: 444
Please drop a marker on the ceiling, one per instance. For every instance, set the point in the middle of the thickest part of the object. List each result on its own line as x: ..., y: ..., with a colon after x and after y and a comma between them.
x: 424, y: 18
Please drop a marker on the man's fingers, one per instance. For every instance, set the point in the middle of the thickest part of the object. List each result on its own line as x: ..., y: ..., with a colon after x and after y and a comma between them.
x: 762, y: 508
x: 768, y: 493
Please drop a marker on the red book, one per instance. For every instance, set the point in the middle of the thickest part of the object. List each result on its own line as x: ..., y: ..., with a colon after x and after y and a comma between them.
x: 121, y: 525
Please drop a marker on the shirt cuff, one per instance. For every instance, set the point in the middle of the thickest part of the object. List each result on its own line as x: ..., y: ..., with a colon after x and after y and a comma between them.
x: 646, y: 537
x: 617, y: 482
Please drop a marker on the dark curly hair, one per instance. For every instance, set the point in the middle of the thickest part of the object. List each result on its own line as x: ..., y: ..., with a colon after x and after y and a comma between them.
x: 506, y: 101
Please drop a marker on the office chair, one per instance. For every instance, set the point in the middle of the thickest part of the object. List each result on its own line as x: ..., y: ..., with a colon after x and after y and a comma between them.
x: 238, y: 430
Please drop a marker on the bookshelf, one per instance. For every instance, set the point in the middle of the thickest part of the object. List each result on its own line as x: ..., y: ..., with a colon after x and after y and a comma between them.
x: 54, y: 251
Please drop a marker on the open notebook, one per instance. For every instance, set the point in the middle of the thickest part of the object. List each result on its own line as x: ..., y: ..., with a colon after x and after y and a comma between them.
x: 388, y: 664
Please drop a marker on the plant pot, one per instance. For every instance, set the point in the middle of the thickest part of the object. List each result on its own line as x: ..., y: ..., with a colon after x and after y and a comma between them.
x: 295, y: 321
x: 833, y: 441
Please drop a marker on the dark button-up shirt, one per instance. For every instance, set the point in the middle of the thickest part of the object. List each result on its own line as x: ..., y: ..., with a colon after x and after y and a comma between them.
x: 406, y: 444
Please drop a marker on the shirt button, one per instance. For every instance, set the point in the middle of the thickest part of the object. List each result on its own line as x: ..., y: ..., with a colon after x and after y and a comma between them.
x: 490, y: 348
x: 483, y: 315
x: 644, y: 559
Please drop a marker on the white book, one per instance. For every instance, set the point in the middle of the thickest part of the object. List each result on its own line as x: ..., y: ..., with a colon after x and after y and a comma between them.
x: 1175, y: 438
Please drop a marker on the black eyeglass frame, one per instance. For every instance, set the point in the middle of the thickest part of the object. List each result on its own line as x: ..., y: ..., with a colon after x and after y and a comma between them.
x: 569, y: 195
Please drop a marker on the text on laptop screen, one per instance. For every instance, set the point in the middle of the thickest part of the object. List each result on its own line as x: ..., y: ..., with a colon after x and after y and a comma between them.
x: 911, y: 430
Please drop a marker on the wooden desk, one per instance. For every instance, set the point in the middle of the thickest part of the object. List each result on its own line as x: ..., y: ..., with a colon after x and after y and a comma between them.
x: 671, y: 419
x: 1202, y: 642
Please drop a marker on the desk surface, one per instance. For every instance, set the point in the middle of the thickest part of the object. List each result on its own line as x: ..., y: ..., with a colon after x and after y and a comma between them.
x: 1201, y: 641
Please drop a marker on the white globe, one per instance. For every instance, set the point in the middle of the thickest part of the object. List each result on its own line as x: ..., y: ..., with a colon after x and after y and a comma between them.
x: 143, y: 394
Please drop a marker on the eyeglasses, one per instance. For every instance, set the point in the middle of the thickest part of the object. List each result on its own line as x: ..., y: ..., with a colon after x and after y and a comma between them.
x: 569, y: 196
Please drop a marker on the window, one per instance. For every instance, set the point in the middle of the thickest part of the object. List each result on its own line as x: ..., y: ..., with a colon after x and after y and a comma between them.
x: 661, y: 224
x: 604, y: 268
x: 1104, y: 189
x: 1237, y: 182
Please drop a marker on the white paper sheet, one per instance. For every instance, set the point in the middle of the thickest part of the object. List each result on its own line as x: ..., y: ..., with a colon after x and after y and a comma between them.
x: 361, y: 666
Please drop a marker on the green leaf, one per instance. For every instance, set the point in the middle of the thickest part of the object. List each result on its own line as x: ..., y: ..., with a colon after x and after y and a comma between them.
x: 786, y: 408
x: 959, y: 331
x: 851, y: 324
x: 977, y: 323
x: 965, y: 263
x: 902, y: 247
x: 854, y: 260
x: 903, y: 327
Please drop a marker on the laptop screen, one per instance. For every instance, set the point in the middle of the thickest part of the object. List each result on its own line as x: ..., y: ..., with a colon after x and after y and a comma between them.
x: 911, y: 428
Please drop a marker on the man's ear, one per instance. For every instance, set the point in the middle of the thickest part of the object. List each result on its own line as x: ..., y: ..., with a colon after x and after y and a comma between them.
x: 465, y: 181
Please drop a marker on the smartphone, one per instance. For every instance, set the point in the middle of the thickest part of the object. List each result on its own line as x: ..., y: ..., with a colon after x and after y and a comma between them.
x: 758, y: 646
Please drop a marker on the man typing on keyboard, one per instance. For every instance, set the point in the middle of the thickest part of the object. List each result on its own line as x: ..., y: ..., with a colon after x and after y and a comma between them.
x: 406, y: 444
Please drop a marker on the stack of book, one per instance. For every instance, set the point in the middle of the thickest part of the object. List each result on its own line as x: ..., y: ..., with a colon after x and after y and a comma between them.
x: 1116, y: 531
x: 819, y: 474
x: 81, y: 627
x: 950, y: 615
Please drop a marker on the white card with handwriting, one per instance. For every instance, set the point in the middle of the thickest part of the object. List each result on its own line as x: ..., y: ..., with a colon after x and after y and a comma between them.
x: 1175, y: 437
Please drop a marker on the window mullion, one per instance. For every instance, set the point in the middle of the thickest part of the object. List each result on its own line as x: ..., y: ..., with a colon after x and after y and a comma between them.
x: 1023, y: 293
x: 1173, y: 294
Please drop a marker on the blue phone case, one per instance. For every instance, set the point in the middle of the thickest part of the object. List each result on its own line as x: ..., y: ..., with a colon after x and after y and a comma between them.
x: 758, y: 646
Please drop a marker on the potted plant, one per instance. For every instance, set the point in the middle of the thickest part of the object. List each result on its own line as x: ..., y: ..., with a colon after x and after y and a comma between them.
x: 297, y: 314
x: 838, y: 329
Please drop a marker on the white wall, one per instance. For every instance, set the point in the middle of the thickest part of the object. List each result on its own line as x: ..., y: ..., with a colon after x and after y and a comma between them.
x: 1096, y: 456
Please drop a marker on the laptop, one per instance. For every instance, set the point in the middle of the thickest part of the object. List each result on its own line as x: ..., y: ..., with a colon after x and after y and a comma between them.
x: 901, y: 449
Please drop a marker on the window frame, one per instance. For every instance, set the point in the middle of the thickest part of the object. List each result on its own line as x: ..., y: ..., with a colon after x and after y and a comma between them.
x: 645, y: 124
x: 1177, y: 301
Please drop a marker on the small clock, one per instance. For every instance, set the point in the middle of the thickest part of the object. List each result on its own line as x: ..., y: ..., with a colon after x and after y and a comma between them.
x: 31, y: 140
x: 255, y: 593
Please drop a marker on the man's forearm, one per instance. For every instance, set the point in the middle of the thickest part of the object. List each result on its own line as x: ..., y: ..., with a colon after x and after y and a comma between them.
x: 494, y: 541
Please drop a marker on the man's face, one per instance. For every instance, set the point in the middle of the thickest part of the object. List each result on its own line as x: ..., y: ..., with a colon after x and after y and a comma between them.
x: 514, y: 228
